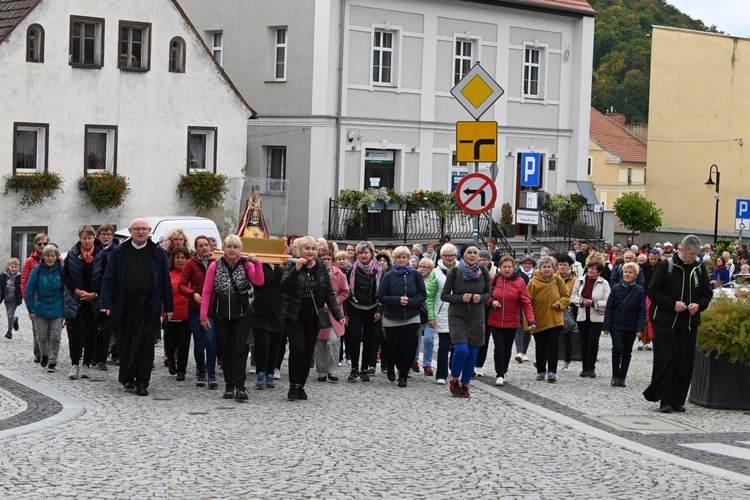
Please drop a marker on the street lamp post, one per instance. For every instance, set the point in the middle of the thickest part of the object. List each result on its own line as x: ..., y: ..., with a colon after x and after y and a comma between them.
x: 710, y: 184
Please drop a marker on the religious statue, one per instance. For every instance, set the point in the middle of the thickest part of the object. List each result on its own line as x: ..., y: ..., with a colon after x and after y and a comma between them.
x: 252, y: 222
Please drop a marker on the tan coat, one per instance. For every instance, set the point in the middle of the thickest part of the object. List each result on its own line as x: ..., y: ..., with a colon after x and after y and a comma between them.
x: 543, y: 294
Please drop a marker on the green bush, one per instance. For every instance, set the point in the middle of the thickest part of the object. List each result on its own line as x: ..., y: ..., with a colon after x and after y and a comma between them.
x: 725, y: 328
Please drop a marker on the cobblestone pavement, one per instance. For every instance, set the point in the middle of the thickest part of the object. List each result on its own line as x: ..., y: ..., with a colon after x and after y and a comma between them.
x: 525, y: 440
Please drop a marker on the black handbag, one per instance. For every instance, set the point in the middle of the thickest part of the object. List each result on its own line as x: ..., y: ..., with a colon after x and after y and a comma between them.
x: 424, y: 316
x: 324, y: 320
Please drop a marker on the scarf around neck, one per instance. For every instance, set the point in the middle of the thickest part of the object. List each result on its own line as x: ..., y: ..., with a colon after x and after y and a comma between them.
x: 372, y: 268
x: 402, y: 270
x: 469, y: 272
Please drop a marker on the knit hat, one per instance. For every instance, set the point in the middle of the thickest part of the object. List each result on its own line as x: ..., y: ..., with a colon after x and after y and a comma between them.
x: 527, y: 257
x: 485, y: 254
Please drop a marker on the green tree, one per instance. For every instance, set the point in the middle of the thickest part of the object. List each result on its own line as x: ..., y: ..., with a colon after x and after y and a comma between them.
x: 638, y: 213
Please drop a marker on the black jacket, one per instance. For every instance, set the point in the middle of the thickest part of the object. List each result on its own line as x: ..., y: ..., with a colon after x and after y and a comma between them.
x: 393, y: 287
x: 72, y: 276
x: 293, y: 286
x: 17, y: 283
x: 268, y: 307
x: 628, y: 316
x: 364, y: 293
x: 687, y: 283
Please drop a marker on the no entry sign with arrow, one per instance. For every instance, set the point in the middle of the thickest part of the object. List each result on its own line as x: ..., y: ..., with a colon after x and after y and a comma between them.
x: 476, y: 194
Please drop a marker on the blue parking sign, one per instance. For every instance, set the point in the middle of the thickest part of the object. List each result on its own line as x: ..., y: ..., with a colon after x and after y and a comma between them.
x: 743, y: 209
x: 530, y: 169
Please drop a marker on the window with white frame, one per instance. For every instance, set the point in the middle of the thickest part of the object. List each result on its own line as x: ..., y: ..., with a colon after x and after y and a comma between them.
x: 280, y: 54
x: 201, y: 155
x: 458, y: 171
x: 135, y: 46
x: 382, y: 57
x: 275, y: 168
x: 22, y: 240
x: 463, y: 59
x: 177, y: 55
x: 533, y: 64
x: 35, y: 44
x: 217, y: 44
x: 86, y: 42
x: 101, y: 149
x: 30, y: 142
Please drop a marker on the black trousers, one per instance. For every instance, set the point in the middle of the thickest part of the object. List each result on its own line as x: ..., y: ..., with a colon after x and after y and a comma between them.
x: 547, y: 345
x: 483, y: 349
x: 302, y: 338
x: 84, y: 336
x: 674, y: 354
x: 622, y: 351
x: 138, y: 334
x: 402, y: 343
x: 232, y: 336
x: 266, y: 349
x: 361, y: 332
x: 177, y: 336
x: 503, y: 338
x: 590, y: 333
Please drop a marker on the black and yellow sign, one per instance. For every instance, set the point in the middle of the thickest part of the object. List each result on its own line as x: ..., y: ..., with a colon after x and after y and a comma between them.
x: 476, y: 141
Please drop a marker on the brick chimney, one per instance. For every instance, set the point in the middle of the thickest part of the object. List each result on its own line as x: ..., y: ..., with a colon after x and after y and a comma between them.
x: 618, y: 118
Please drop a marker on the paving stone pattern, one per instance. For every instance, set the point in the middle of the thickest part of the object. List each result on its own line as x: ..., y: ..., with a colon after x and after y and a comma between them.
x: 360, y: 440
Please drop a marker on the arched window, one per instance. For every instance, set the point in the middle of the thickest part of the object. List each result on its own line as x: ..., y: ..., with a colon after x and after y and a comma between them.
x: 35, y: 44
x: 177, y: 55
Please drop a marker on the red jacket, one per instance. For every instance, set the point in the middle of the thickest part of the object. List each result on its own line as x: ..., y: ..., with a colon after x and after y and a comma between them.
x: 512, y: 295
x: 180, y: 301
x: 28, y: 265
x: 191, y: 281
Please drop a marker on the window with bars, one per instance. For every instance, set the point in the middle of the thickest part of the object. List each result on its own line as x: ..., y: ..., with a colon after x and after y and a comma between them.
x: 275, y: 168
x: 86, y: 42
x: 462, y: 59
x: 382, y: 57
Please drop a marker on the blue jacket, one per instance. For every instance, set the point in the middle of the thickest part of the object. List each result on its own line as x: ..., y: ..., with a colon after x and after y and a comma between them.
x: 44, y: 291
x: 625, y: 317
x: 113, y: 284
x: 393, y: 287
x: 73, y: 278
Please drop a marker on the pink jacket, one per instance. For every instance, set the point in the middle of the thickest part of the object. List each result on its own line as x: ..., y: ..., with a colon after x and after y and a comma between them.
x: 254, y: 272
x: 341, y: 289
x: 513, y: 296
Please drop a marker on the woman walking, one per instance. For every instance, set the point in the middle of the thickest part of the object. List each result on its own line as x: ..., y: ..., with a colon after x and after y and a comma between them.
x: 227, y: 293
x: 177, y: 329
x: 401, y: 292
x: 467, y: 288
x: 549, y: 297
x: 44, y: 301
x: 328, y: 345
x: 624, y: 320
x: 307, y: 287
x: 590, y: 294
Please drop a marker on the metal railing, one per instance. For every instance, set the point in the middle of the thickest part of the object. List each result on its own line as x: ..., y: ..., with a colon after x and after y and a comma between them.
x: 502, y: 242
x: 559, y: 234
x: 399, y: 225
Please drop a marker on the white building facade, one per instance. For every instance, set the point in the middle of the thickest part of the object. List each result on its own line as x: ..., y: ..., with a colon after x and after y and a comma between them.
x: 126, y: 87
x: 356, y: 93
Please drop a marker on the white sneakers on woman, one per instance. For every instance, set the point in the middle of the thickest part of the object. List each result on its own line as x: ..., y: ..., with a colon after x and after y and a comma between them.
x: 499, y: 381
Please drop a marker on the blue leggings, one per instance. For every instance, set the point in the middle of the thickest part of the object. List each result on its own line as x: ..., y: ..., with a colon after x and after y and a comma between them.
x: 464, y: 360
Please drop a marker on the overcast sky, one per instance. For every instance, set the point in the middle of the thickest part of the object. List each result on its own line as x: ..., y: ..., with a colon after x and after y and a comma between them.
x: 729, y: 16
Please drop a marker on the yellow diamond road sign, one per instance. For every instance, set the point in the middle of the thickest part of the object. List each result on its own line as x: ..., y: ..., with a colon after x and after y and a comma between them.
x: 476, y: 141
x: 477, y: 91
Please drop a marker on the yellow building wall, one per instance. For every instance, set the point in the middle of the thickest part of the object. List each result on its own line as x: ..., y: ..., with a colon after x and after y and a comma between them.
x: 609, y: 176
x: 699, y: 112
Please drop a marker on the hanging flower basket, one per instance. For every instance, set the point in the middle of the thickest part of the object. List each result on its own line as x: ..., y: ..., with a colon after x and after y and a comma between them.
x: 37, y: 187
x: 206, y: 189
x: 105, y: 190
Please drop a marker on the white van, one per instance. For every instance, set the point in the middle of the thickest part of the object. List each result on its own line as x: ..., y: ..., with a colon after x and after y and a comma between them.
x: 193, y: 226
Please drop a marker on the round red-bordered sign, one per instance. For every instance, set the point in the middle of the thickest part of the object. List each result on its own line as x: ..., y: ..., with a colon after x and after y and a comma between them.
x: 476, y: 194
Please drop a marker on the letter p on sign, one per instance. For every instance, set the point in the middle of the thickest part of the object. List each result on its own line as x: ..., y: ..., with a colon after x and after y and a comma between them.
x: 530, y: 169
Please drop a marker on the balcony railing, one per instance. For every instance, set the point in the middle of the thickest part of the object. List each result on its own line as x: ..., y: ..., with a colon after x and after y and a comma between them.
x: 558, y: 233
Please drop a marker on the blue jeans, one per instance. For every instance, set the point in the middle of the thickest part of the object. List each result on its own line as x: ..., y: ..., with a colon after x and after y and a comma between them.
x: 464, y: 360
x: 429, y: 346
x: 204, y: 344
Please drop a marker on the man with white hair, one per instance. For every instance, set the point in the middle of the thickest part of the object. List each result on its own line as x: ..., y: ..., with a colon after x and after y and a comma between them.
x: 668, y: 251
x: 616, y: 277
x: 437, y: 312
x: 679, y: 291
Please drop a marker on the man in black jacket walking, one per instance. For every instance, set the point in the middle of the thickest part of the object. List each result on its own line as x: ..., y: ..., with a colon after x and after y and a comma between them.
x: 679, y: 291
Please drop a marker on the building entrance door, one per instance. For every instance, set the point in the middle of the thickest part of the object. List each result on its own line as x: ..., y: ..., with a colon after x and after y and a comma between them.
x: 379, y: 173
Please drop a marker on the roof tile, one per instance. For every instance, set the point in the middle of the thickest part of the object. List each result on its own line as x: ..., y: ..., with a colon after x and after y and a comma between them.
x: 616, y: 139
x: 12, y: 11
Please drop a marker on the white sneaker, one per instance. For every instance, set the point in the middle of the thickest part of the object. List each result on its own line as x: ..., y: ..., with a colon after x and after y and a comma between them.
x: 499, y: 381
x: 341, y: 363
x: 277, y: 374
x: 524, y: 358
x: 519, y: 357
x: 566, y: 367
x: 640, y: 345
x: 478, y: 371
x: 349, y: 362
x: 649, y: 346
x: 84, y: 371
x: 252, y: 369
x: 74, y: 370
x: 440, y: 381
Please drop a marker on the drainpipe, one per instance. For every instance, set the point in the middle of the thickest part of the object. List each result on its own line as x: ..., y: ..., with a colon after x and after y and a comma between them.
x: 340, y: 94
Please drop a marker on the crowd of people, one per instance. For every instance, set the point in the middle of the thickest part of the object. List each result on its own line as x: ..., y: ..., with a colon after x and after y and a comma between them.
x: 359, y: 307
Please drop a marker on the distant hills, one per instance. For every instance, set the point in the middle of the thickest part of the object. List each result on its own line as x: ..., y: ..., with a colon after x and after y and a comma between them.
x: 622, y: 52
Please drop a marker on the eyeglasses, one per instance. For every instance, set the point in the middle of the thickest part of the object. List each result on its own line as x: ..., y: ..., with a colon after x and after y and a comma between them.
x: 42, y: 243
x: 326, y: 258
x: 424, y: 267
x: 449, y: 255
